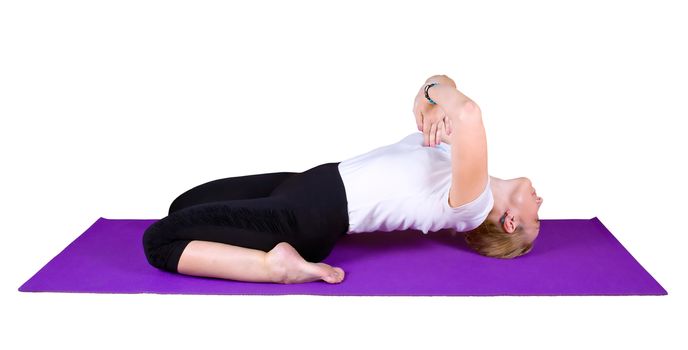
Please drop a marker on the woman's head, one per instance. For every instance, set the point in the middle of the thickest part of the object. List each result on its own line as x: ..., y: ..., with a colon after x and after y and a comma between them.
x: 513, y: 223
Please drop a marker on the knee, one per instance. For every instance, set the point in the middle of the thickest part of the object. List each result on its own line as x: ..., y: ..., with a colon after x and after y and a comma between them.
x: 314, y: 252
x: 182, y: 201
x: 315, y: 247
x: 175, y: 205
x: 159, y: 249
x: 151, y: 245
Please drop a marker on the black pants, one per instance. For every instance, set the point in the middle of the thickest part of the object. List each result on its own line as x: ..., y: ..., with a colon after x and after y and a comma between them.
x: 308, y: 210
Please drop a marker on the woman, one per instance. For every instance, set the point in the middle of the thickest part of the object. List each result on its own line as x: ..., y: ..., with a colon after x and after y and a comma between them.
x: 276, y: 227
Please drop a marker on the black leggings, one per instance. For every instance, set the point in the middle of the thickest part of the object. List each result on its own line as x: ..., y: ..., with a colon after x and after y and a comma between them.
x: 308, y: 210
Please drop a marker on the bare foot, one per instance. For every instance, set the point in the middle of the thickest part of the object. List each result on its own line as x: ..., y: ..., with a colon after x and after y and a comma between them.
x: 287, y: 266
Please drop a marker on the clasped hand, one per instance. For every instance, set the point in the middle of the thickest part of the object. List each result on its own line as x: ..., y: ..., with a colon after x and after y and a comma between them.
x: 431, y: 120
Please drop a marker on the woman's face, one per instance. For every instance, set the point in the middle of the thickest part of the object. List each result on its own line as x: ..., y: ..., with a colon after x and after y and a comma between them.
x: 525, y: 204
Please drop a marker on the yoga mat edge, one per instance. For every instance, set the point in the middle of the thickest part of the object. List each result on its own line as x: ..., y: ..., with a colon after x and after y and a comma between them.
x: 572, y: 257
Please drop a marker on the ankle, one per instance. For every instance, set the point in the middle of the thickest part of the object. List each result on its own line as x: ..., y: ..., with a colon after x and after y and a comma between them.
x: 276, y: 272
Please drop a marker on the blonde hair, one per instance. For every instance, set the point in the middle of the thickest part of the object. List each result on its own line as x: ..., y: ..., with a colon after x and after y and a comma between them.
x: 489, y: 239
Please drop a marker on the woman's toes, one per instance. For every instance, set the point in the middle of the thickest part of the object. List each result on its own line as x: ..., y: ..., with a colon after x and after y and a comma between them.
x: 331, y: 278
x: 326, y: 273
x: 340, y: 273
x: 336, y: 275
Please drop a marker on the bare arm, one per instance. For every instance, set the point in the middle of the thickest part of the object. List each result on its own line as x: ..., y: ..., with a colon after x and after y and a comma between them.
x: 442, y: 79
x: 468, y: 144
x: 446, y: 95
x: 431, y: 119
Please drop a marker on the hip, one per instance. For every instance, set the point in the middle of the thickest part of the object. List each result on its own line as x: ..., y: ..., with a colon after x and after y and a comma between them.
x: 318, y: 196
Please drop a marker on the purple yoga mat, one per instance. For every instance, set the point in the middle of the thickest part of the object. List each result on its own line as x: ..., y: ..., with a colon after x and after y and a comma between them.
x: 571, y: 257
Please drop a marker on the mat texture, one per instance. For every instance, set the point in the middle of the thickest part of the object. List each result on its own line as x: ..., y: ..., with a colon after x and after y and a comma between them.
x: 571, y: 257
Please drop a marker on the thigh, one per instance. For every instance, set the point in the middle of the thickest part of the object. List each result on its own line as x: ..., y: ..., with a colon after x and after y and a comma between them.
x: 258, y: 223
x: 231, y: 188
x: 319, y: 197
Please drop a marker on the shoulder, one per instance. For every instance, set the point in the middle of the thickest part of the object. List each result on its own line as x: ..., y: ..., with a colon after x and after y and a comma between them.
x: 484, y: 200
x: 470, y: 215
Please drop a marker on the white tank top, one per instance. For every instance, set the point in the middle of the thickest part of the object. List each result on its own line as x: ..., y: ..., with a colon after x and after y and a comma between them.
x: 405, y: 185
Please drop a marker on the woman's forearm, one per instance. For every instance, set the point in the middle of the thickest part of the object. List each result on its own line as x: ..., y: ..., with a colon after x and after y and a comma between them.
x: 447, y: 97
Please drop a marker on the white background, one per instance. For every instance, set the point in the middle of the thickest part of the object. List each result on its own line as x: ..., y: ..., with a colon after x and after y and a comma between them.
x: 114, y: 108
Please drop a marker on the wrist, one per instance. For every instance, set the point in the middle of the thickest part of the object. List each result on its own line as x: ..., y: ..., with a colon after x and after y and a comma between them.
x: 441, y: 94
x: 446, y: 97
x: 442, y: 79
x: 426, y: 92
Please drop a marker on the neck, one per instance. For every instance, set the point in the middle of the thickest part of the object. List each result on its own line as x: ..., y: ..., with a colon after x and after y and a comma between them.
x: 500, y: 191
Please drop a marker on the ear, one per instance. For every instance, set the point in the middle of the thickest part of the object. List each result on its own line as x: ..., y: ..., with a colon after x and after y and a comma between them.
x: 509, y: 222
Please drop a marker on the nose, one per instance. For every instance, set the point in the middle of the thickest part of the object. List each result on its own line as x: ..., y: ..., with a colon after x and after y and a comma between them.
x: 538, y: 200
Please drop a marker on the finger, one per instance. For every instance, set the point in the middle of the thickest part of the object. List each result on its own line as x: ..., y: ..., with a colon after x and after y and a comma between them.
x: 433, y: 134
x: 432, y: 121
x: 447, y: 126
x: 450, y: 126
x: 426, y: 130
x: 418, y: 108
x: 444, y: 131
x: 417, y: 115
x: 441, y: 132
x: 439, y: 120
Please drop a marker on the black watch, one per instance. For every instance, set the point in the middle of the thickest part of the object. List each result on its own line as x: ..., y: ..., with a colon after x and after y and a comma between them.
x: 427, y: 87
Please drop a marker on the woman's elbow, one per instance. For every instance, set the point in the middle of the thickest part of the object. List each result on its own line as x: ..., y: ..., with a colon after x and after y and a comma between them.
x: 465, y: 109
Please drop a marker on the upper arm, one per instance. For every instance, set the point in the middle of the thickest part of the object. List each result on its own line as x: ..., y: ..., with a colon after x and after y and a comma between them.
x: 469, y: 154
